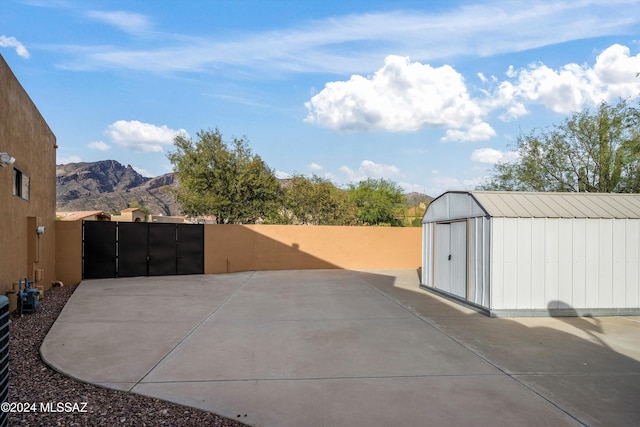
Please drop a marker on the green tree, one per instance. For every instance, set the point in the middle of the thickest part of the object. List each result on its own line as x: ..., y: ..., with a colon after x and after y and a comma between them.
x: 316, y: 201
x: 377, y: 201
x: 224, y: 179
x: 139, y: 205
x: 594, y: 151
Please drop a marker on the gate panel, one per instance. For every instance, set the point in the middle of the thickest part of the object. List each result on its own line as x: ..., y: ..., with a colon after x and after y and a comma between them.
x: 162, y: 249
x: 190, y: 249
x: 132, y: 249
x: 99, y: 249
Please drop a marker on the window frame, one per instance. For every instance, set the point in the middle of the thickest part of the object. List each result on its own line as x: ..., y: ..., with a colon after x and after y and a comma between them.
x: 21, y: 184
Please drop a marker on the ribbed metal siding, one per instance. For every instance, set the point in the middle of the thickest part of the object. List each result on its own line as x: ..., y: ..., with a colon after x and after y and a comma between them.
x: 458, y: 262
x: 442, y: 264
x: 451, y: 258
x: 557, y: 263
x: 479, y: 256
x: 427, y: 254
x: 4, y: 356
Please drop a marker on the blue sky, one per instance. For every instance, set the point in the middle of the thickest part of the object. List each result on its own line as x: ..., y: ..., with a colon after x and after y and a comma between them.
x: 429, y: 94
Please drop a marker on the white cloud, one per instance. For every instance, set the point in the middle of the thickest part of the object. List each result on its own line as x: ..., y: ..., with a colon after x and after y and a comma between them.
x: 439, y: 184
x: 143, y: 137
x: 369, y: 169
x: 126, y: 21
x: 492, y: 156
x: 315, y: 167
x: 14, y: 43
x: 99, y: 145
x: 411, y: 188
x: 572, y: 86
x: 478, y: 132
x: 142, y: 171
x: 486, y: 29
x: 63, y: 160
x: 282, y: 175
x: 406, y: 96
x: 401, y: 96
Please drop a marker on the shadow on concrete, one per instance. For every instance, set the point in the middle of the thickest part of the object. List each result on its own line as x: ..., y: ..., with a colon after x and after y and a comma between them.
x: 590, y: 325
x: 588, y: 367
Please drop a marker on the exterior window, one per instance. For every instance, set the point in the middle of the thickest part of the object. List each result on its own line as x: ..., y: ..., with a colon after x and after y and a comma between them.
x: 20, y: 184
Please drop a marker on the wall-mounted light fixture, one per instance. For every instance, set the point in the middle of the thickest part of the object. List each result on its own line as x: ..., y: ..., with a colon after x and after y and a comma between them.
x: 40, y: 229
x: 6, y: 159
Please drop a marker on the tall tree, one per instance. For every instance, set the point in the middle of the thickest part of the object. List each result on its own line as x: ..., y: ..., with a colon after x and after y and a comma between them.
x: 316, y: 201
x: 224, y: 179
x: 594, y: 151
x: 377, y: 200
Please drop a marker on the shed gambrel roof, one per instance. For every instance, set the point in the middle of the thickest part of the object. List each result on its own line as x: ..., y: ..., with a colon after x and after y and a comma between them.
x: 520, y: 204
x: 513, y: 204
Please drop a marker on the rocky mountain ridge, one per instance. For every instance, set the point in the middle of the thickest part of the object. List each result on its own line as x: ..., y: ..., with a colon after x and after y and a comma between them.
x: 109, y: 186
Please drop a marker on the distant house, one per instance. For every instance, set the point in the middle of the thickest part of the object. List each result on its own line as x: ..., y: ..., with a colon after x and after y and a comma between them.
x: 132, y: 215
x: 167, y: 219
x: 27, y: 188
x: 83, y: 216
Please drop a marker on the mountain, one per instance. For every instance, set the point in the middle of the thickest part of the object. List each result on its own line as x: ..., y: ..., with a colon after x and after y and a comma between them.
x: 414, y: 199
x: 109, y: 186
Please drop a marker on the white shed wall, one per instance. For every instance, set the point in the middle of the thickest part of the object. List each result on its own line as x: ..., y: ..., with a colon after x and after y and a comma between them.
x: 427, y: 254
x: 562, y: 263
x: 479, y: 230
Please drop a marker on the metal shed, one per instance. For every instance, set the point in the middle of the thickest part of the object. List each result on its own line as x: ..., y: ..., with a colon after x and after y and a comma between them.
x: 534, y: 254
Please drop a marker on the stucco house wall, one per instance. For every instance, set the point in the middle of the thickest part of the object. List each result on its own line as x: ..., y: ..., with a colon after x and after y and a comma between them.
x: 25, y: 135
x: 131, y: 215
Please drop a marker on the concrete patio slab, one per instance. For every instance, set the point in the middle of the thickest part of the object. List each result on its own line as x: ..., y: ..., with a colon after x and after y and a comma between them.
x: 316, y: 349
x: 277, y: 306
x: 336, y: 347
x: 595, y: 398
x: 99, y: 352
x: 427, y: 401
x: 549, y: 345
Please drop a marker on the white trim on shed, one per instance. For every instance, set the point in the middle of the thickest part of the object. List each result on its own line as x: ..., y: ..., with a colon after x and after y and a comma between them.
x: 520, y: 253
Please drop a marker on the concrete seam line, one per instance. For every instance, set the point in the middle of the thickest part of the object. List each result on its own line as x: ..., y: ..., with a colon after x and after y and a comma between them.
x: 368, y: 377
x: 215, y: 310
x: 485, y: 359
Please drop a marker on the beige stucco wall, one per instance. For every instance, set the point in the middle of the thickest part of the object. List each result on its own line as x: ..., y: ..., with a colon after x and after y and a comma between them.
x: 231, y: 248
x: 25, y: 135
x: 135, y: 216
x: 69, y: 252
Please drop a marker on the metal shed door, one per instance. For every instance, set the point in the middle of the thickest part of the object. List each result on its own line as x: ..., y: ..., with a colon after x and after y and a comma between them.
x: 451, y: 258
x: 442, y: 261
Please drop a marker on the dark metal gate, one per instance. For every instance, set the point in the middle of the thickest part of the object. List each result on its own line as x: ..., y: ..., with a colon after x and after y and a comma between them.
x: 132, y: 249
x: 190, y: 248
x: 128, y: 249
x: 99, y: 249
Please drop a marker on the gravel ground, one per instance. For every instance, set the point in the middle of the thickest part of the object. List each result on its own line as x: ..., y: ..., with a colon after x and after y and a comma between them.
x: 31, y: 380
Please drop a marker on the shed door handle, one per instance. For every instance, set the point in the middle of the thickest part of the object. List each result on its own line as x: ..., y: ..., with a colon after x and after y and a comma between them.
x: 449, y: 257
